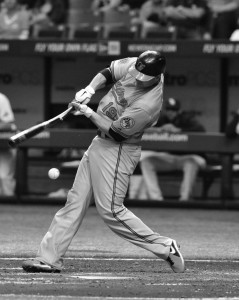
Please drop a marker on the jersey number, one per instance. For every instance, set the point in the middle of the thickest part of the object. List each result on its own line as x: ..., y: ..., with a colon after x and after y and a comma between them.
x: 110, y: 112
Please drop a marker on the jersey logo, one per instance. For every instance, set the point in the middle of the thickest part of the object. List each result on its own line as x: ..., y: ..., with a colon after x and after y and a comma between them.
x: 127, y: 122
x: 118, y: 92
x: 140, y: 66
x: 112, y: 113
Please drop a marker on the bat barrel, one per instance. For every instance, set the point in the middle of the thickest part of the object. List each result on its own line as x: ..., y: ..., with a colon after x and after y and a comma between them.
x: 34, y: 130
x: 26, y: 134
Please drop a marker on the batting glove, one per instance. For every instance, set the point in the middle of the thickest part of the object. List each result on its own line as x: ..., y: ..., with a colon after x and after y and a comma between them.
x: 81, y: 109
x: 84, y: 95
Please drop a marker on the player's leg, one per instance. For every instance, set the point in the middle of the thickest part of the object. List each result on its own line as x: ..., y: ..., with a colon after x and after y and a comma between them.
x: 151, y: 163
x: 111, y: 167
x: 7, y: 172
x: 66, y: 222
x: 190, y: 164
x: 150, y: 177
x: 137, y: 188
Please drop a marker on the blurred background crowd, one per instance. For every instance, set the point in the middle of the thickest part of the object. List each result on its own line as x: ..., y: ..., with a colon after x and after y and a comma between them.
x: 140, y: 19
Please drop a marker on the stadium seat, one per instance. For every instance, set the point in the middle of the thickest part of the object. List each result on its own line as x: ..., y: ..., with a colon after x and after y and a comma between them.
x: 85, y: 34
x: 82, y: 20
x: 114, y: 20
x: 79, y: 4
x: 159, y: 35
x: 121, y: 34
x: 50, y: 33
x: 47, y: 32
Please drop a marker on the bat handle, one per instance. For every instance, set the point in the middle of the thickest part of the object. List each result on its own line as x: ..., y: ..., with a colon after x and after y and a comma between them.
x: 59, y: 117
x: 66, y: 112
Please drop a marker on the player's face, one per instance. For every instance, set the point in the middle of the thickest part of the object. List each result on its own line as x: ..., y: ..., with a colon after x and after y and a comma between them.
x: 145, y: 84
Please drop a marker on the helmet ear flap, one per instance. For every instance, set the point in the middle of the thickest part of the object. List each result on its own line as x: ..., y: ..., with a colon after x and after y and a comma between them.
x: 158, y: 78
x: 163, y: 68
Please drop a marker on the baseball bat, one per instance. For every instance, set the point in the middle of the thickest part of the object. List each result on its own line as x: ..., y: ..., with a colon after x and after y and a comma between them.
x: 26, y: 134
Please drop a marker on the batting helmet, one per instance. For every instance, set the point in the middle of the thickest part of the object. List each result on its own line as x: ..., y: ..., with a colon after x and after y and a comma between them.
x: 148, y: 65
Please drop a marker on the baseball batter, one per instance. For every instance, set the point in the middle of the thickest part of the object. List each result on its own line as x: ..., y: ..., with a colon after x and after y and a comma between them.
x: 131, y: 105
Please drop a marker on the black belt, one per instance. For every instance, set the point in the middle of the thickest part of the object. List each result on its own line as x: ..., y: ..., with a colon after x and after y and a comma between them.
x: 102, y: 134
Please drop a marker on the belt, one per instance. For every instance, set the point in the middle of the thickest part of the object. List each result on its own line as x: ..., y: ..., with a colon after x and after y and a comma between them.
x: 102, y: 134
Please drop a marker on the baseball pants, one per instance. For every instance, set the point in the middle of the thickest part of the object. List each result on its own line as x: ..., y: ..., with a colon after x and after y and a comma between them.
x: 7, y: 172
x: 151, y: 162
x: 103, y: 173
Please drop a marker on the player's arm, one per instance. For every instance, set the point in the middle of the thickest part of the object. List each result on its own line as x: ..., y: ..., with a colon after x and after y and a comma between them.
x: 193, y: 13
x: 121, y: 129
x: 105, y: 125
x: 102, y: 123
x: 133, y: 121
x: 113, y: 129
x: 102, y: 79
x: 116, y: 70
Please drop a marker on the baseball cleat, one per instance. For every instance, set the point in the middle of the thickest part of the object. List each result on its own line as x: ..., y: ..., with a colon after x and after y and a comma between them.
x: 36, y: 266
x: 175, y: 258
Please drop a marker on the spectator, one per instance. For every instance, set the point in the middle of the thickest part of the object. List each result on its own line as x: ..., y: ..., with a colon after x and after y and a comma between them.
x: 189, y: 18
x: 28, y: 3
x: 151, y: 17
x: 100, y: 6
x: 232, y: 129
x: 133, y: 4
x: 49, y: 13
x: 173, y: 121
x: 7, y: 156
x: 14, y: 20
x: 96, y: 5
x: 224, y: 18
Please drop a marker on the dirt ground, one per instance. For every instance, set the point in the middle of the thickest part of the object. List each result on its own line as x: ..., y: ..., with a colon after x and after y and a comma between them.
x: 134, y: 278
x: 100, y: 265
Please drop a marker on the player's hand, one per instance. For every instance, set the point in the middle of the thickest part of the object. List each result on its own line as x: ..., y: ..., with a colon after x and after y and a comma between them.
x: 81, y: 109
x: 84, y: 95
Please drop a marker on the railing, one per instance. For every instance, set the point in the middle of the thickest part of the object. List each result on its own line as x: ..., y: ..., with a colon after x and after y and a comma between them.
x: 186, y: 143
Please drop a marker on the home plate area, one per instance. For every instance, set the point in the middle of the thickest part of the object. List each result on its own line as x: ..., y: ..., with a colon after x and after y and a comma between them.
x: 102, y: 278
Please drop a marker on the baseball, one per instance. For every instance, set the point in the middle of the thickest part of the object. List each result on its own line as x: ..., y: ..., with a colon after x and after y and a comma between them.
x: 53, y: 173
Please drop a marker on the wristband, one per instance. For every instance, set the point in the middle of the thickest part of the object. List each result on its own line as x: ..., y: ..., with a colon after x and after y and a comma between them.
x: 88, y: 112
x: 90, y: 90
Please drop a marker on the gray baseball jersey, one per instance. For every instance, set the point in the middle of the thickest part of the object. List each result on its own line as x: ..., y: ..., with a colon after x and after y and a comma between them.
x: 131, y: 108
